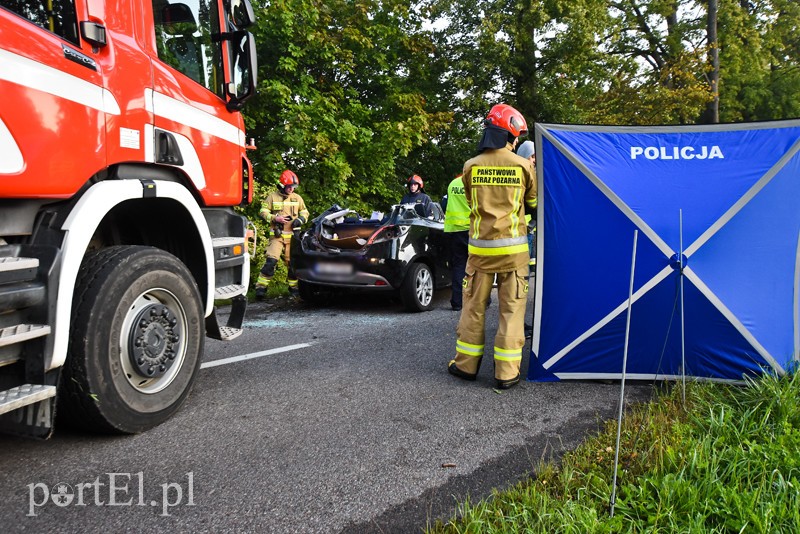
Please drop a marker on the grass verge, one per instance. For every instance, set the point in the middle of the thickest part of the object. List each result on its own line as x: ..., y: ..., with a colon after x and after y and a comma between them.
x: 728, y: 460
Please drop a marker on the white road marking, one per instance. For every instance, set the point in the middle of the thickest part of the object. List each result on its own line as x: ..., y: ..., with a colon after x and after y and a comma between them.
x: 243, y: 357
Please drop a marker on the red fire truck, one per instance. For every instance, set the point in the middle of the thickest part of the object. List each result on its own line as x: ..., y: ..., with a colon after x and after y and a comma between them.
x: 122, y: 155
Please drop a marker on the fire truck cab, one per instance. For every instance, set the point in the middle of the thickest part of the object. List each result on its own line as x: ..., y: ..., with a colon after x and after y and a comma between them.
x: 122, y: 156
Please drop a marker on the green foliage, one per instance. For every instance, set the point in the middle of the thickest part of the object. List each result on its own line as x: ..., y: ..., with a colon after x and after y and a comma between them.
x: 759, y: 60
x: 622, y: 62
x: 342, y: 101
x: 356, y: 95
x: 726, y: 461
x: 341, y: 98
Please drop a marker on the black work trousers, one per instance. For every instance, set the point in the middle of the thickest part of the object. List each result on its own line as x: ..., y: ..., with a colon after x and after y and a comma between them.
x: 459, y: 250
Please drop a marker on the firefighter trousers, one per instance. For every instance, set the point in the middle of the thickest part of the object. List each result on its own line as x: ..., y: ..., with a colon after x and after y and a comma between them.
x: 277, y: 246
x: 512, y: 293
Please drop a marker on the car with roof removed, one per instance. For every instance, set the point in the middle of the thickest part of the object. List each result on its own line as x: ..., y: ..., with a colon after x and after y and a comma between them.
x: 404, y: 253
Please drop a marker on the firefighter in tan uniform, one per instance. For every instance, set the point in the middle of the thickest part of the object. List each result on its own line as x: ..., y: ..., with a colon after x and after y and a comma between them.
x: 284, y: 210
x: 500, y: 188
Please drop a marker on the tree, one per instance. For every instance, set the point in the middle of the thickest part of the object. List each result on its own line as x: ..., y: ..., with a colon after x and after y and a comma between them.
x: 759, y: 60
x: 712, y: 108
x: 587, y: 61
x: 356, y: 95
x: 340, y: 99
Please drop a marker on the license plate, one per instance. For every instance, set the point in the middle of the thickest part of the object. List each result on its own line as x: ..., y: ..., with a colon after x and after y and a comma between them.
x: 334, y: 268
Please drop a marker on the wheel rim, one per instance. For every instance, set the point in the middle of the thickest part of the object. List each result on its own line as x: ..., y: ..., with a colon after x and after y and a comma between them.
x: 424, y: 287
x: 152, y: 341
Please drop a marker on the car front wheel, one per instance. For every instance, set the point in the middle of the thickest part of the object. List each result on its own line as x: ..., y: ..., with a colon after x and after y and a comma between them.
x: 417, y: 289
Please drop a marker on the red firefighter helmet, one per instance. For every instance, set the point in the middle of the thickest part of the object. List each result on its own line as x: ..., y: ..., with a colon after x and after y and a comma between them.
x: 415, y: 179
x: 509, y: 119
x: 288, y: 178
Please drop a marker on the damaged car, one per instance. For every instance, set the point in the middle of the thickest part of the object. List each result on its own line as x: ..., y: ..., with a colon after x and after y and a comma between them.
x: 404, y: 252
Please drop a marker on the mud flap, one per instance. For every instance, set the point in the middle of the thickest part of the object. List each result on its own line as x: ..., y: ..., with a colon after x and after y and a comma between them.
x: 31, y: 421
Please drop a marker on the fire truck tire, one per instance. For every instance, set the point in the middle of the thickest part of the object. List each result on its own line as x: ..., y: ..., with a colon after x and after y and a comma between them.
x: 417, y: 289
x: 136, y: 340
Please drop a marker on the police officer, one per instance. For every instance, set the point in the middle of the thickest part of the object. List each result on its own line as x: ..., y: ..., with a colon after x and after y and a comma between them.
x: 284, y: 210
x: 500, y: 187
x: 456, y: 226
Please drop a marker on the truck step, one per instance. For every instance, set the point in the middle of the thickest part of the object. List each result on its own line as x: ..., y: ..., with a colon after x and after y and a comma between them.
x: 227, y: 292
x: 22, y: 332
x: 218, y: 242
x: 23, y: 395
x: 15, y: 269
x: 233, y: 328
x: 18, y: 295
x: 8, y: 359
x: 228, y: 333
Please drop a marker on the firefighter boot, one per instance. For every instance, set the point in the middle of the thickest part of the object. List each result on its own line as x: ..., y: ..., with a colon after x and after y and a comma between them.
x: 506, y: 367
x: 261, y: 292
x: 293, y: 291
x: 507, y: 384
x: 453, y: 369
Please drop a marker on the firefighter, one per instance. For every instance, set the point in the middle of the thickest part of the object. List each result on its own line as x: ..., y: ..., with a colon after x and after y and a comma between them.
x: 500, y: 188
x: 416, y: 194
x: 285, y: 211
x: 456, y: 226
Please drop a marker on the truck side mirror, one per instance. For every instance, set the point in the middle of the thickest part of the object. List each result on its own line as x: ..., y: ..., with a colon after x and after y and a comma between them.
x: 243, y: 63
x: 242, y: 13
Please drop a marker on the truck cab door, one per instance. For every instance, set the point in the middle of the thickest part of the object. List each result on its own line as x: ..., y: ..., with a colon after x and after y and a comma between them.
x: 54, y: 105
x: 193, y: 129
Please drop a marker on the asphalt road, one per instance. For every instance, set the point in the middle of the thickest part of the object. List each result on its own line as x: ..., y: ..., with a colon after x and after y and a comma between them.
x: 356, y: 429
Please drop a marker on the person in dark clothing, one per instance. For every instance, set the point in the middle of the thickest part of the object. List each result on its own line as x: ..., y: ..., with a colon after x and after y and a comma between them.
x: 528, y: 151
x: 416, y: 195
x: 456, y: 227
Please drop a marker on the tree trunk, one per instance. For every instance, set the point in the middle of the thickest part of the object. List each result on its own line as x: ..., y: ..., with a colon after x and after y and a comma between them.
x: 711, y: 115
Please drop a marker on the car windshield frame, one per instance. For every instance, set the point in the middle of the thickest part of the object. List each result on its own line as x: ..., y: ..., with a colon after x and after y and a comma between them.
x: 408, y: 212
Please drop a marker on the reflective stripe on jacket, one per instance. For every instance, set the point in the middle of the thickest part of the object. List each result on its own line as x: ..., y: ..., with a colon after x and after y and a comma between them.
x: 498, y: 186
x: 278, y: 204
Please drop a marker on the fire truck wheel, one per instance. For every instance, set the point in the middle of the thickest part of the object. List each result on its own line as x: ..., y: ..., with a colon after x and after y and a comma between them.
x: 136, y: 340
x: 417, y: 289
